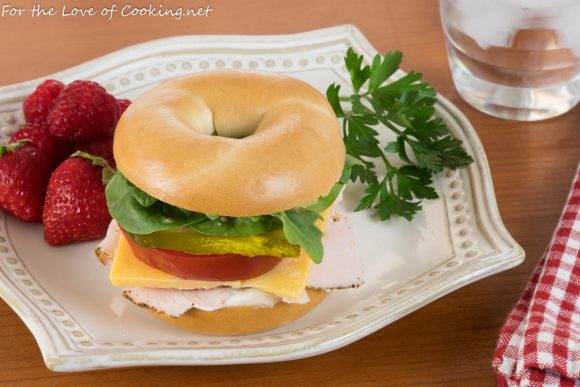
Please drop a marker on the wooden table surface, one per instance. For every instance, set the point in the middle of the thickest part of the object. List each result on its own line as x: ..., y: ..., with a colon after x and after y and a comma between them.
x: 448, y: 342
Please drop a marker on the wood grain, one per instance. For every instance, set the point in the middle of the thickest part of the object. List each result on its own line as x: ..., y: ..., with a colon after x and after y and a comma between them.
x: 449, y: 342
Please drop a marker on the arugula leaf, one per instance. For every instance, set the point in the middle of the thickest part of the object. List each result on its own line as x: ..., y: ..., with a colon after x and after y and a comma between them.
x: 242, y: 226
x: 135, y: 218
x: 326, y: 201
x: 405, y: 106
x: 299, y: 227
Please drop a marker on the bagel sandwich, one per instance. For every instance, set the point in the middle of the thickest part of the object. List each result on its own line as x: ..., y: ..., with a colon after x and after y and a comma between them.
x: 225, y: 185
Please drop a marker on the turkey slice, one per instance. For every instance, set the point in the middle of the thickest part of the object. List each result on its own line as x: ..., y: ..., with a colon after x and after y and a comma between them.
x: 176, y: 302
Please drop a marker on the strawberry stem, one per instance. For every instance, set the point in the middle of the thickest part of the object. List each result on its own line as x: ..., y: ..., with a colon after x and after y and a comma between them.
x: 5, y: 148
x: 108, y: 171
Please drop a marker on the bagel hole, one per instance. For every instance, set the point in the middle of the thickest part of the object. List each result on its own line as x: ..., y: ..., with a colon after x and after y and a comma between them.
x: 215, y: 133
x: 237, y: 128
x: 238, y: 137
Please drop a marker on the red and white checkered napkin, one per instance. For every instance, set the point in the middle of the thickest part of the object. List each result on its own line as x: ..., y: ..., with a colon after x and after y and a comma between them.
x: 539, y: 344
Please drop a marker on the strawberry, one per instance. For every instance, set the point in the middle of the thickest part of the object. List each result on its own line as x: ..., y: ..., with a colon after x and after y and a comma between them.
x: 84, y: 112
x: 24, y: 174
x: 38, y: 104
x: 123, y: 104
x: 102, y: 148
x: 40, y: 138
x: 75, y: 209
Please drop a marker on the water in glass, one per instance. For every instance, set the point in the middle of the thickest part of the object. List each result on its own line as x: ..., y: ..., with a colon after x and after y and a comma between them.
x: 515, y: 59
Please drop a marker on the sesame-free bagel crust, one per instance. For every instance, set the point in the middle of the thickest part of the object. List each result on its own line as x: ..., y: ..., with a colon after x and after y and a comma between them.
x: 278, y: 143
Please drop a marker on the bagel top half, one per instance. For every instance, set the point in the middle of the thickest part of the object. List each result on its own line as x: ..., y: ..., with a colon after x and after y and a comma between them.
x: 231, y: 143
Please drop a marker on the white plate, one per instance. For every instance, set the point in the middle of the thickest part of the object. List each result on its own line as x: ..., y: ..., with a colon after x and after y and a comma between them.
x: 81, y: 322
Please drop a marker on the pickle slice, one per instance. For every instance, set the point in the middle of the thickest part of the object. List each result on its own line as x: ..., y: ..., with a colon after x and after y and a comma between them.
x: 185, y: 239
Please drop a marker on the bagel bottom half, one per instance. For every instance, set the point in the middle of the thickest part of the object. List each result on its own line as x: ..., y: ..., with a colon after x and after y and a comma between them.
x: 243, y: 320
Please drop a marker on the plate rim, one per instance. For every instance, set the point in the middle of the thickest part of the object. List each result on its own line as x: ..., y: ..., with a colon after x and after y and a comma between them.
x: 483, y: 186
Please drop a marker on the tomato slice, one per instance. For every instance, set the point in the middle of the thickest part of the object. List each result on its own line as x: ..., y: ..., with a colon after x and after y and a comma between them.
x: 217, y: 267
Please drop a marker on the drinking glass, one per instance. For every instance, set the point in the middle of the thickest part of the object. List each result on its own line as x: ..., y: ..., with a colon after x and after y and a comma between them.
x: 515, y: 59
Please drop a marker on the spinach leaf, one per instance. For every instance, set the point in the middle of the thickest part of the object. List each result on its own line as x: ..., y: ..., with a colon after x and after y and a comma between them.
x: 243, y: 226
x: 299, y: 227
x: 137, y: 219
x: 143, y: 198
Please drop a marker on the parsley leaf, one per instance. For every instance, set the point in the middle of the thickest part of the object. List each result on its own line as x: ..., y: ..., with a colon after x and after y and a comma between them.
x: 358, y: 74
x: 405, y: 106
x: 332, y: 96
x: 371, y: 193
x: 382, y: 70
x: 416, y: 182
x: 391, y: 205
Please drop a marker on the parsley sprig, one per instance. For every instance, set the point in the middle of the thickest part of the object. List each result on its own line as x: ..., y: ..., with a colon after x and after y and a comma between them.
x: 423, y: 143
